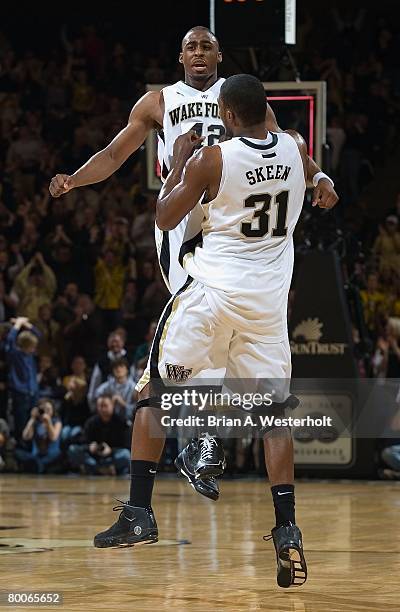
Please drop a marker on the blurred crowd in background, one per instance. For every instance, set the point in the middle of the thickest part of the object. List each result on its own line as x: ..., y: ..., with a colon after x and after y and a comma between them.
x: 80, y: 287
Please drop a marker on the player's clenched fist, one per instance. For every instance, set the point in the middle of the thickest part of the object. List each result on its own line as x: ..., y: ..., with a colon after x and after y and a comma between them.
x: 60, y: 184
x: 324, y: 195
x: 185, y: 145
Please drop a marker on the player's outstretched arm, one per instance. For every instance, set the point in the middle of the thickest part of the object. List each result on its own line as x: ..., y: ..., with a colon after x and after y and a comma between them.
x: 145, y: 115
x: 324, y: 194
x: 189, y: 178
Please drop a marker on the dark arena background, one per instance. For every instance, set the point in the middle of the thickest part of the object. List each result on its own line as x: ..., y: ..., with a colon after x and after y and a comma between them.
x: 80, y: 288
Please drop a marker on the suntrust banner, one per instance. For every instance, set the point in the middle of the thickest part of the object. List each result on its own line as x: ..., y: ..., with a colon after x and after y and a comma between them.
x: 320, y: 327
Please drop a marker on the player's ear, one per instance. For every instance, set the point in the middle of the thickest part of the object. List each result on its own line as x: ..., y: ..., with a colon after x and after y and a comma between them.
x: 180, y: 59
x: 219, y: 57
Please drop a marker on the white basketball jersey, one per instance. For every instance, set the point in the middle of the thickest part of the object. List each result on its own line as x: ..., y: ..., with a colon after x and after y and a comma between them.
x: 246, y: 256
x: 186, y: 109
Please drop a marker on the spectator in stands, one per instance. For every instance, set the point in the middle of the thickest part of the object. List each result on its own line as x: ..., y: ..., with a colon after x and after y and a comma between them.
x: 396, y: 209
x: 337, y: 138
x: 49, y: 343
x: 129, y: 301
x: 20, y: 349
x: 10, y: 267
x: 65, y: 304
x: 372, y: 301
x: 389, y: 447
x: 132, y: 318
x: 83, y: 336
x: 393, y: 369
x: 392, y: 301
x: 43, y: 430
x: 74, y: 409
x: 142, y: 232
x: 6, y: 304
x: 117, y: 237
x: 387, y: 247
x: 106, y: 448
x: 109, y: 283
x: 23, y: 158
x: 121, y: 387
x: 65, y: 264
x: 154, y: 298
x: 49, y: 379
x: 121, y: 331
x: 386, y: 359
x: 4, y: 329
x: 29, y: 241
x: 102, y: 369
x: 146, y: 276
x: 391, y: 457
x: 142, y: 352
x: 83, y: 96
x: 34, y: 286
x: 7, y: 448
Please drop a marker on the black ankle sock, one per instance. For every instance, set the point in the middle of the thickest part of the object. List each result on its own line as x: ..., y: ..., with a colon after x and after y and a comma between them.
x: 143, y: 474
x: 283, y: 497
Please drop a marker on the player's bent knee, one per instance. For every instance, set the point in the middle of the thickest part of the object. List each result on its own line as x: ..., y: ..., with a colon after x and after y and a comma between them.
x: 276, y: 425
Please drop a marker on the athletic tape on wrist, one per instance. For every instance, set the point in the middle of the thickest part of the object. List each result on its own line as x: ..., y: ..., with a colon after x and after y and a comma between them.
x: 319, y: 176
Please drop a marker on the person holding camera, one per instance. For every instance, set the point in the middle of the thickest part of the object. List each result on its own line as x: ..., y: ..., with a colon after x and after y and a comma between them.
x: 106, y: 450
x: 43, y: 430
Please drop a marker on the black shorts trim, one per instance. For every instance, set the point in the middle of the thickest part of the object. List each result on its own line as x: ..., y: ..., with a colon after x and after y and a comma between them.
x: 165, y: 257
x: 155, y: 349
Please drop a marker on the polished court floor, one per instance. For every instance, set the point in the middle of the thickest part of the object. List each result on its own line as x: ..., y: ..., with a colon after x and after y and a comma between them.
x: 211, y: 556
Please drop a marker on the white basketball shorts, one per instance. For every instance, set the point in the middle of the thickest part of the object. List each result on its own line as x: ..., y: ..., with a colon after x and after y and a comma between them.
x: 192, y: 345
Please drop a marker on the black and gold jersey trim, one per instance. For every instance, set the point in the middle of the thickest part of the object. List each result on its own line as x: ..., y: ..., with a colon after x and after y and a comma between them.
x: 189, y: 246
x: 261, y: 147
x: 165, y: 256
x: 164, y: 171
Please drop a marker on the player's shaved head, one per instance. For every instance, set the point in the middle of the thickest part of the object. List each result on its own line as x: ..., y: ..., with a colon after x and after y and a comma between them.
x: 200, y: 56
x: 200, y: 29
x: 244, y: 95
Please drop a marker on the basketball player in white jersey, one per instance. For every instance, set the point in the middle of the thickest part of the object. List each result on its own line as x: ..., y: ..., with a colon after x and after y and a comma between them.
x: 252, y: 191
x: 185, y: 108
x: 164, y: 112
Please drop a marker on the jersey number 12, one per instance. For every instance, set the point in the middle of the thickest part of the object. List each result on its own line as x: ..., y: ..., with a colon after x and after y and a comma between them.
x: 214, y: 132
x: 262, y: 215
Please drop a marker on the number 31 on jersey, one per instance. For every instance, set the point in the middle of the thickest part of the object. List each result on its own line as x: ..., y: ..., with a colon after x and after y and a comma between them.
x: 262, y: 215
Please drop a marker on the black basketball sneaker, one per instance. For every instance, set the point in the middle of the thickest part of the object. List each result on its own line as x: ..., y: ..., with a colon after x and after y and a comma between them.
x: 207, y: 485
x: 203, y: 456
x: 134, y: 526
x: 291, y: 564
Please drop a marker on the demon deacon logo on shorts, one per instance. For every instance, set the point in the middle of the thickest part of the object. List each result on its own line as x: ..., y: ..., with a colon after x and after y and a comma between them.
x: 177, y: 373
